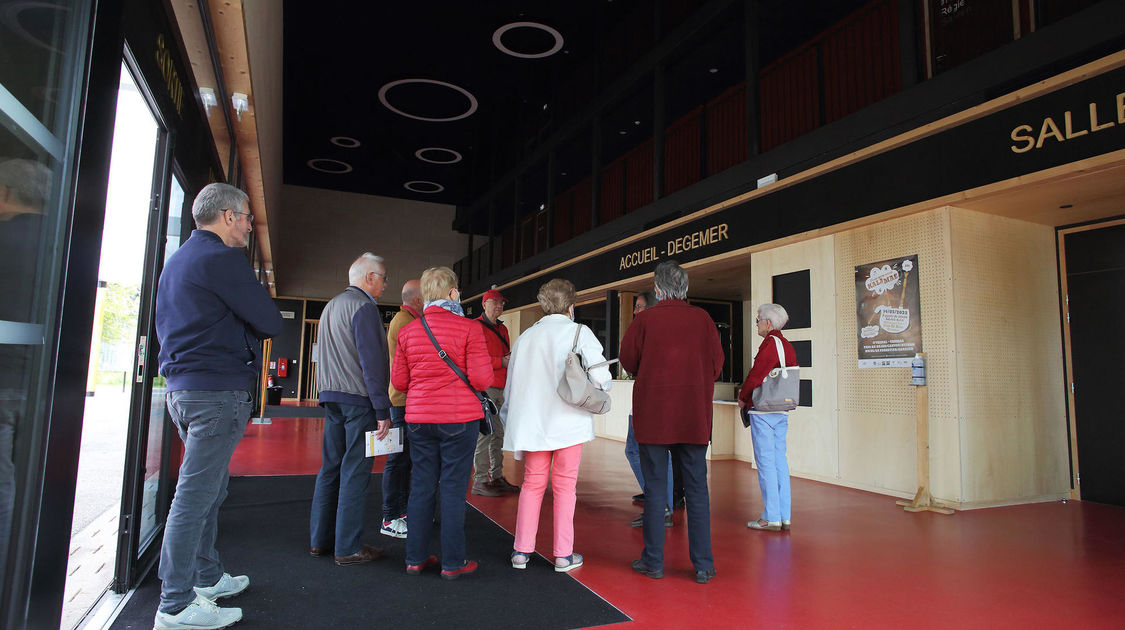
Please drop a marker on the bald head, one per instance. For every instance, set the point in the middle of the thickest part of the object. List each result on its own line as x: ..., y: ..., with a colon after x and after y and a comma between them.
x: 412, y: 294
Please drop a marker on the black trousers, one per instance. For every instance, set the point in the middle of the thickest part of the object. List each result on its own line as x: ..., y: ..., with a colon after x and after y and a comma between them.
x: 654, y: 467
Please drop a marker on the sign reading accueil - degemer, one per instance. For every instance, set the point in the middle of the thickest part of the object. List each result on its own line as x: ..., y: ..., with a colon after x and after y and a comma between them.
x: 888, y: 308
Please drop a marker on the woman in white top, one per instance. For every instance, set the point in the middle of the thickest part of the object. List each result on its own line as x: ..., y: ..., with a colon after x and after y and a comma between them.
x: 544, y: 430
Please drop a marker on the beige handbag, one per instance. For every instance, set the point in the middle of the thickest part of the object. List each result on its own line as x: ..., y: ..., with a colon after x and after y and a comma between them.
x: 576, y: 388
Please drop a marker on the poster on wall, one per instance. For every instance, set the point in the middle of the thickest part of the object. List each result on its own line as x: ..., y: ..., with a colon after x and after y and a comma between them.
x: 888, y: 308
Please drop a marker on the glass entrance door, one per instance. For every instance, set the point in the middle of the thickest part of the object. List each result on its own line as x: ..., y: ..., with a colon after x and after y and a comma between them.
x: 119, y: 443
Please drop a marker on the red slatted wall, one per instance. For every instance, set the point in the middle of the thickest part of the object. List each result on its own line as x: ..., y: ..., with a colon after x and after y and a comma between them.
x: 789, y: 98
x: 564, y: 210
x: 681, y: 151
x: 638, y: 176
x: 726, y: 129
x: 612, y: 197
x: 861, y: 60
x: 583, y: 201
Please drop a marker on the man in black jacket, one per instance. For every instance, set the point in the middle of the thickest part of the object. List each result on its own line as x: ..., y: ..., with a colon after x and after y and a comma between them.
x: 211, y: 315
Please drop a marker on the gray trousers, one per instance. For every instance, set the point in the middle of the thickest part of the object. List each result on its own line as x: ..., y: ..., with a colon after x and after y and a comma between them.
x: 210, y: 425
x: 488, y: 460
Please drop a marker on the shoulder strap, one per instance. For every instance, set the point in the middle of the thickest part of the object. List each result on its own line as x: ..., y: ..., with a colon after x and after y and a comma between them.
x: 777, y: 344
x: 574, y: 346
x: 445, y: 357
x: 495, y: 331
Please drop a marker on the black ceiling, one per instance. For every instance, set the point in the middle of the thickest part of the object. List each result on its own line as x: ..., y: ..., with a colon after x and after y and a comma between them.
x: 343, y: 59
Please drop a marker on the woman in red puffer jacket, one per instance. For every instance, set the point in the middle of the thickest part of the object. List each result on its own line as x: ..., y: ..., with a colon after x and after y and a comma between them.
x: 442, y: 419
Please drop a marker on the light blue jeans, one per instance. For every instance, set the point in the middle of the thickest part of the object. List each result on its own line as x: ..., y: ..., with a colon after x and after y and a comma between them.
x: 210, y: 425
x: 633, y: 454
x: 768, y: 431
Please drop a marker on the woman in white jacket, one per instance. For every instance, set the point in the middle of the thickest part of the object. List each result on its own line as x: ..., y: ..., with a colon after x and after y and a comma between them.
x: 544, y: 430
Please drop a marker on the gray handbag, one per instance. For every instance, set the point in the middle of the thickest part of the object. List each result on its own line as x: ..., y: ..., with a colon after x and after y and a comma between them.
x: 781, y: 389
x: 575, y: 386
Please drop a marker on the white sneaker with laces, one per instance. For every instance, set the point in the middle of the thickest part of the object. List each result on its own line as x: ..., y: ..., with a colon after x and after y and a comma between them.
x: 227, y: 586
x: 201, y: 614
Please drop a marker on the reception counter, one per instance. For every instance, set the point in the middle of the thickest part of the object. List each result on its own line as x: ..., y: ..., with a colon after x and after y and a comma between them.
x: 729, y: 440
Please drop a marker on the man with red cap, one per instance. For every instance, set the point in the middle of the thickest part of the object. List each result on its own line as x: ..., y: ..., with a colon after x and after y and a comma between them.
x: 488, y: 461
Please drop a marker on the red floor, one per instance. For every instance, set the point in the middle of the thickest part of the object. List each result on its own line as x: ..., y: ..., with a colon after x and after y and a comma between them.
x: 853, y: 559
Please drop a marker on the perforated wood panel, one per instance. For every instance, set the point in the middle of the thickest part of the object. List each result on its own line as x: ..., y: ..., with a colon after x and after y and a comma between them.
x: 877, y: 406
x: 1009, y: 359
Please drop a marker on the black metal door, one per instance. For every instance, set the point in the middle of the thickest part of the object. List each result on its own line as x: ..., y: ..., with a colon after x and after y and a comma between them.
x: 1095, y: 276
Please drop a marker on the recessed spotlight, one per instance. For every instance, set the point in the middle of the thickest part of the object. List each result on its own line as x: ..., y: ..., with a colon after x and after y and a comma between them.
x: 448, y: 156
x: 544, y: 107
x: 1066, y: 205
x: 542, y: 206
x: 713, y: 70
x: 622, y: 132
x: 636, y: 122
x: 563, y: 173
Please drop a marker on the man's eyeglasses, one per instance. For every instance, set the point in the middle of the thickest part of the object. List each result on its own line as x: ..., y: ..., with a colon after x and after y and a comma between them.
x: 249, y: 217
x: 382, y: 275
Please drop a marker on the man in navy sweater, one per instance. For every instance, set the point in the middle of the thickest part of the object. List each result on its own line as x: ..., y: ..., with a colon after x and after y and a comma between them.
x: 352, y: 374
x: 211, y: 315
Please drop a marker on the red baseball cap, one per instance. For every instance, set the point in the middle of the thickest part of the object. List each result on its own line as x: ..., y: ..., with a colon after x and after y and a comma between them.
x: 493, y: 294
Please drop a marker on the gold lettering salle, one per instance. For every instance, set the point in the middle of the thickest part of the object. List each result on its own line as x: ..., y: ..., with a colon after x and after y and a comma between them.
x: 1025, y: 140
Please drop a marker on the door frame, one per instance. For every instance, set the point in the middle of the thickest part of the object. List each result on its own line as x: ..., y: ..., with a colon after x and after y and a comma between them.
x: 1068, y: 359
x: 131, y: 561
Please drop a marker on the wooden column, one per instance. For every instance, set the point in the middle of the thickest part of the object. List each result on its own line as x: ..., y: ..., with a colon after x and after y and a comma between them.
x: 923, y: 500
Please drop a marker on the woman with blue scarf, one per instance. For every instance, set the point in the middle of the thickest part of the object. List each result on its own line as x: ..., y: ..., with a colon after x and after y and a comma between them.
x: 442, y: 420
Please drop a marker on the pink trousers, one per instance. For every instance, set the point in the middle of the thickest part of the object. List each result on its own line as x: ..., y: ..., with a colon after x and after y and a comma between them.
x: 561, y: 467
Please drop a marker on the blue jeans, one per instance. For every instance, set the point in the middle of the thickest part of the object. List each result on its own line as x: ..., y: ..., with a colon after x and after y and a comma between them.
x: 694, y: 460
x: 396, y: 472
x: 633, y: 454
x: 442, y: 455
x: 340, y: 496
x: 768, y: 431
x: 210, y: 425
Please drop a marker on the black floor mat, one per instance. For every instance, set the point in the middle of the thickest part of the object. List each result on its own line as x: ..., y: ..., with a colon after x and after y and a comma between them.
x: 263, y: 533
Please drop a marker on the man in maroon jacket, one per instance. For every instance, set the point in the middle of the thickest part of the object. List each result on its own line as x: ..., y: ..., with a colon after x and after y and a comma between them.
x: 673, y: 350
x: 488, y: 460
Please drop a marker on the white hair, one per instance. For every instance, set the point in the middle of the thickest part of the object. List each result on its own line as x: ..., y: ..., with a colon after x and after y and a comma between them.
x: 362, y: 266
x: 776, y: 315
x: 210, y: 203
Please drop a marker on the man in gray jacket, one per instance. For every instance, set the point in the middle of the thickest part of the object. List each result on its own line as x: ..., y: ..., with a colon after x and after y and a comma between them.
x: 352, y: 374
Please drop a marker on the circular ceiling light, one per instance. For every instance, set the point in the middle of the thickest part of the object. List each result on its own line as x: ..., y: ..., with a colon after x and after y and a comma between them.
x: 344, y: 141
x: 387, y: 88
x: 326, y: 165
x: 422, y: 186
x: 499, y: 34
x: 454, y: 156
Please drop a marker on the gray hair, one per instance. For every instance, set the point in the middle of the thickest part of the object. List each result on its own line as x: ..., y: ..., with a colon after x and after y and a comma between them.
x: 776, y: 315
x: 649, y: 297
x: 671, y: 280
x: 28, y: 180
x: 362, y: 266
x: 213, y: 199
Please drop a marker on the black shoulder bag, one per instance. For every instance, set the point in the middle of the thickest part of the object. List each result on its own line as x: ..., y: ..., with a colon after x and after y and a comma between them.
x: 488, y: 408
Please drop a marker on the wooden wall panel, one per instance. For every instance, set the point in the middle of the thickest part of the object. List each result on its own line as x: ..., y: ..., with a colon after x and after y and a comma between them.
x: 814, y: 449
x: 1009, y: 357
x: 877, y: 405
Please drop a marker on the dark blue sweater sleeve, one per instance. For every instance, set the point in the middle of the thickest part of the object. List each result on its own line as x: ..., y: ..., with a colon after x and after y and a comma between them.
x: 371, y: 344
x: 236, y: 285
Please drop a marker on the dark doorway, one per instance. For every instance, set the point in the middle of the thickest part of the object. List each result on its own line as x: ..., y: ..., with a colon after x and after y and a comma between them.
x: 1095, y: 276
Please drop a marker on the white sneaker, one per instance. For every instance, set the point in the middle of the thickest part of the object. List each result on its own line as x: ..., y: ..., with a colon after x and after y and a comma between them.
x: 201, y: 614
x: 395, y: 528
x: 227, y: 586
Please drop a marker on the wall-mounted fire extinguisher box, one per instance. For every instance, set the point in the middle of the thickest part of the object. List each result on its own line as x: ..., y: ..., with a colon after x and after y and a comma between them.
x: 283, y: 367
